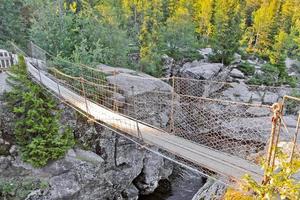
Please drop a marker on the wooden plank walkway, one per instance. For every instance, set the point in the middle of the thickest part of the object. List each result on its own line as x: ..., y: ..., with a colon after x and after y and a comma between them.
x: 216, y: 161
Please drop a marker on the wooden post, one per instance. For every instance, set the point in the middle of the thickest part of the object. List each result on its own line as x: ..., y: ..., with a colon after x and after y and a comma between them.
x: 172, y: 123
x: 40, y: 75
x: 139, y: 133
x: 84, y: 94
x: 277, y: 109
x: 115, y: 92
x: 56, y: 80
x: 133, y: 101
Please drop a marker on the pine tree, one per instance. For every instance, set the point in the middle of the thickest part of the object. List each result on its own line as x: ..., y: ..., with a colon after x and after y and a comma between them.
x: 226, y: 33
x: 177, y: 38
x: 294, y: 44
x: 203, y: 13
x: 288, y: 10
x: 148, y: 36
x: 37, y: 128
x: 13, y: 21
x: 265, y: 27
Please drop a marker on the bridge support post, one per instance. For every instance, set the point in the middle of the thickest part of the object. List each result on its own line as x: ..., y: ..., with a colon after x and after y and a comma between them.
x: 56, y: 81
x: 295, y: 139
x: 115, y: 108
x: 172, y: 123
x: 84, y: 94
x: 274, y: 138
x: 139, y: 131
x: 39, y: 71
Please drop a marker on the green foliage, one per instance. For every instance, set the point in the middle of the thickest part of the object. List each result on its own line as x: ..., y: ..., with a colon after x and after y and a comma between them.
x: 232, y: 194
x: 292, y: 106
x: 273, y: 75
x: 281, y: 183
x: 227, y: 32
x: 81, y: 37
x: 13, y: 21
x: 136, y: 34
x: 178, y: 40
x: 14, y: 189
x: 247, y: 68
x: 37, y: 128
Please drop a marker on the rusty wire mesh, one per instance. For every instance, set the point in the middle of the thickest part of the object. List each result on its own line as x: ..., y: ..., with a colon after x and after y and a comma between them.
x: 290, y: 126
x: 195, y: 110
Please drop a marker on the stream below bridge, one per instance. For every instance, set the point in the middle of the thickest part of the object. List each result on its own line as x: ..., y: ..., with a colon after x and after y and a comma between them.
x: 183, y: 184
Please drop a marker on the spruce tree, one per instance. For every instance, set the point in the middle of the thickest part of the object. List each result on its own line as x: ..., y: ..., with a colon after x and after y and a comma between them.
x: 37, y: 128
x: 226, y: 29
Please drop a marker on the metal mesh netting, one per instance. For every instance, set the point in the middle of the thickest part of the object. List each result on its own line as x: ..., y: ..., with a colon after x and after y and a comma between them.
x: 195, y: 110
x: 214, y: 89
x: 290, y: 126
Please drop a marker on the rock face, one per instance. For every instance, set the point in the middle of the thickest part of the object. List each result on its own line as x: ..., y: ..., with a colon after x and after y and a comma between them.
x: 148, y: 91
x: 293, y: 67
x: 104, y: 165
x: 235, y: 73
x: 211, y: 190
x: 112, y: 168
x: 200, y: 70
x: 238, y: 92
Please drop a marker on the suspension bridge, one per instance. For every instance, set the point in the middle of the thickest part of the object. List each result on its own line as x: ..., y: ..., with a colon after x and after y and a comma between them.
x: 198, y: 135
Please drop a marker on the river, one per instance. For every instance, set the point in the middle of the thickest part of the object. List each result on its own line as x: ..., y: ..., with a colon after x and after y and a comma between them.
x: 184, y: 185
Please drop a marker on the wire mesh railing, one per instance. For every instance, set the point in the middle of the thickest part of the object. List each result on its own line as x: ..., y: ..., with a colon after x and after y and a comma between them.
x: 191, y: 109
x: 284, y: 140
x: 226, y: 126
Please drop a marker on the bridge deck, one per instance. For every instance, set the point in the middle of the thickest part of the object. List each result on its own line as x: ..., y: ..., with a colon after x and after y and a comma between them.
x: 219, y: 162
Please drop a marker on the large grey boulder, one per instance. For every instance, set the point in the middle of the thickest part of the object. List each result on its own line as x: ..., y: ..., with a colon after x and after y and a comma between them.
x: 270, y: 98
x: 212, y: 189
x: 64, y: 186
x: 256, y: 128
x: 145, y: 98
x: 238, y: 92
x: 131, y: 82
x: 200, y: 70
x: 293, y: 67
x: 135, y: 85
x: 237, y: 58
x: 235, y: 73
x: 206, y: 52
x: 169, y: 66
x: 258, y: 111
x: 147, y: 181
x: 106, y: 171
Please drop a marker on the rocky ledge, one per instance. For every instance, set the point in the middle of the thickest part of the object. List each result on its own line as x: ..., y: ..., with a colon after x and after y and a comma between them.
x: 103, y: 165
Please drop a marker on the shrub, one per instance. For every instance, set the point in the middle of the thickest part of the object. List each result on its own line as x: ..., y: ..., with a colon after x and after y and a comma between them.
x: 273, y: 75
x: 292, y: 106
x: 37, y: 128
x: 232, y: 194
x: 20, y: 188
x: 281, y: 182
x: 247, y: 68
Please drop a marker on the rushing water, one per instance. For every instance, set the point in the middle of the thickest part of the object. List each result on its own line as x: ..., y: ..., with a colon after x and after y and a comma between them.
x: 184, y: 185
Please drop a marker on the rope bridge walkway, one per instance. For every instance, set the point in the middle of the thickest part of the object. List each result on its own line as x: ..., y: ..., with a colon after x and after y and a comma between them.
x: 203, y: 131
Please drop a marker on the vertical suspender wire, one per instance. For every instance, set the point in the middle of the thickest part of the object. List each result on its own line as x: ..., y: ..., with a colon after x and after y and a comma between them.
x: 84, y: 94
x: 277, y: 135
x: 56, y: 80
x: 115, y: 93
x: 271, y: 149
x: 295, y: 139
x: 172, y: 123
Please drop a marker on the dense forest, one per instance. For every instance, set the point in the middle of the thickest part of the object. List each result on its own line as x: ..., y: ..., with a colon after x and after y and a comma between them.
x: 136, y: 33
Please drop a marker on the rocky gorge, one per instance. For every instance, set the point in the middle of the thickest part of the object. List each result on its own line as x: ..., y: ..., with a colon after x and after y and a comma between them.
x: 105, y: 165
